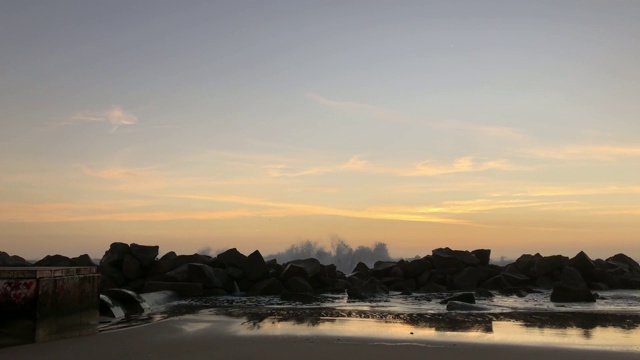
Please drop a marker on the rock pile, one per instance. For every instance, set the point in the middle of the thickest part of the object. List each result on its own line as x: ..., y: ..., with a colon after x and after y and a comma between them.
x: 137, y: 267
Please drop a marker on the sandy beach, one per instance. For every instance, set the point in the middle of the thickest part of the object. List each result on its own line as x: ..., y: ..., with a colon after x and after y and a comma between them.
x: 196, y: 337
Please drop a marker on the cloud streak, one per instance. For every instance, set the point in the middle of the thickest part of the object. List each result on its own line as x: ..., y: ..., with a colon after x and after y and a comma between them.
x: 391, y: 116
x: 466, y: 164
x: 116, y: 117
x: 587, y: 152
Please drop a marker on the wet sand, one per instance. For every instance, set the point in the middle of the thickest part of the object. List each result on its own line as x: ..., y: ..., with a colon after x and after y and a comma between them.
x: 195, y: 337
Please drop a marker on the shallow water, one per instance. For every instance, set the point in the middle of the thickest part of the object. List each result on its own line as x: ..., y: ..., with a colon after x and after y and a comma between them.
x: 613, y: 322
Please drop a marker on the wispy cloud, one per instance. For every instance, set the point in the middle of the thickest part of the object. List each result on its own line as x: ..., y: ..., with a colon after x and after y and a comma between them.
x: 357, y: 163
x: 388, y: 115
x: 116, y: 117
x: 559, y: 191
x: 587, y: 152
x: 296, y: 209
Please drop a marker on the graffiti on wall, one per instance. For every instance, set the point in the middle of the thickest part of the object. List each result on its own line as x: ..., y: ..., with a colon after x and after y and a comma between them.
x: 17, y: 292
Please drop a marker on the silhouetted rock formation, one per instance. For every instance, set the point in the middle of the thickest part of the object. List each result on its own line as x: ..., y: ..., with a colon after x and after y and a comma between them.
x: 136, y: 267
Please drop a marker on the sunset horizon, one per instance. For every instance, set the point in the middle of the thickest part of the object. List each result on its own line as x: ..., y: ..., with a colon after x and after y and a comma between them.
x: 504, y: 125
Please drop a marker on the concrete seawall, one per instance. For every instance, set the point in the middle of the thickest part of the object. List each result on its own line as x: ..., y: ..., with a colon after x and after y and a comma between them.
x: 46, y: 303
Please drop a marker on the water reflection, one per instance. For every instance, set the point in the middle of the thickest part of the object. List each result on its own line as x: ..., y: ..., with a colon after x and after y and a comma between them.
x: 507, y: 332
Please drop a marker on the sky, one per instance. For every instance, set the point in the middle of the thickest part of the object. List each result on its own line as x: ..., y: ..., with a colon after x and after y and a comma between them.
x: 509, y: 125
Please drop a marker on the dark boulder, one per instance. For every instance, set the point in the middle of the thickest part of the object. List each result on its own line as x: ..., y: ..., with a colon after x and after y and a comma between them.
x: 111, y: 277
x: 547, y: 265
x: 432, y: 287
x: 168, y: 256
x: 368, y: 289
x: 114, y: 257
x: 464, y: 306
x: 571, y: 277
x: 184, y: 289
x: 423, y: 279
x: 565, y: 294
x: 525, y: 263
x: 210, y: 277
x: 362, y: 268
x: 144, y: 253
x: 168, y: 263
x: 254, y: 266
x: 131, y: 268
x: 306, y: 268
x: 54, y: 260
x: 404, y: 286
x: 298, y: 284
x: 417, y: 267
x: 583, y: 263
x: 383, y: 268
x: 300, y: 297
x: 468, y: 298
x: 447, y: 258
x: 483, y: 293
x: 571, y: 288
x: 179, y: 274
x: 515, y: 277
x: 467, y: 279
x: 483, y: 255
x: 82, y: 260
x: 232, y: 257
x: 8, y: 260
x: 620, y: 259
x: 269, y: 286
x: 496, y: 283
x: 545, y: 282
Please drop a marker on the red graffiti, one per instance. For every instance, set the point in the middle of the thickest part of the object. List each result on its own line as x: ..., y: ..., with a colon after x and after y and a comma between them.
x: 19, y: 292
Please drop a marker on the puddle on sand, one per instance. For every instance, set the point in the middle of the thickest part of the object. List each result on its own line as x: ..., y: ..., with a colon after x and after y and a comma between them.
x: 496, y: 332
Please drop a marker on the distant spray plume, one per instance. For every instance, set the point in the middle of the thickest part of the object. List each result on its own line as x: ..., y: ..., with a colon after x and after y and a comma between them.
x: 342, y: 254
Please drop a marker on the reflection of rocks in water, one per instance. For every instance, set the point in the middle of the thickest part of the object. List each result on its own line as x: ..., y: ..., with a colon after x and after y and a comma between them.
x: 258, y: 310
x: 453, y: 322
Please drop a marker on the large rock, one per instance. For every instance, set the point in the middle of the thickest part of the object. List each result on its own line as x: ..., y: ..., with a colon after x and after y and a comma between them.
x: 144, y: 253
x: 361, y: 268
x: 583, y: 263
x: 168, y: 262
x: 525, y: 263
x: 179, y: 274
x: 232, y: 257
x: 82, y: 260
x: 211, y: 277
x: 366, y: 290
x: 306, y: 268
x: 114, y: 257
x: 468, y: 298
x: 496, y: 283
x: 632, y: 265
x: 463, y: 306
x: 298, y: 284
x: 184, y: 289
x: 467, y: 279
x: 54, y: 260
x: 8, y: 260
x: 404, y: 286
x: 383, y: 268
x: 571, y: 288
x: 254, y: 267
x: 269, y: 286
x: 483, y: 255
x: 565, y: 294
x: 571, y: 277
x: 417, y: 267
x: 447, y: 258
x: 549, y: 264
x: 131, y: 268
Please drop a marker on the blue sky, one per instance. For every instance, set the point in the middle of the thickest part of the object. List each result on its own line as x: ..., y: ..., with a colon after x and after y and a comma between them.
x: 503, y: 124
